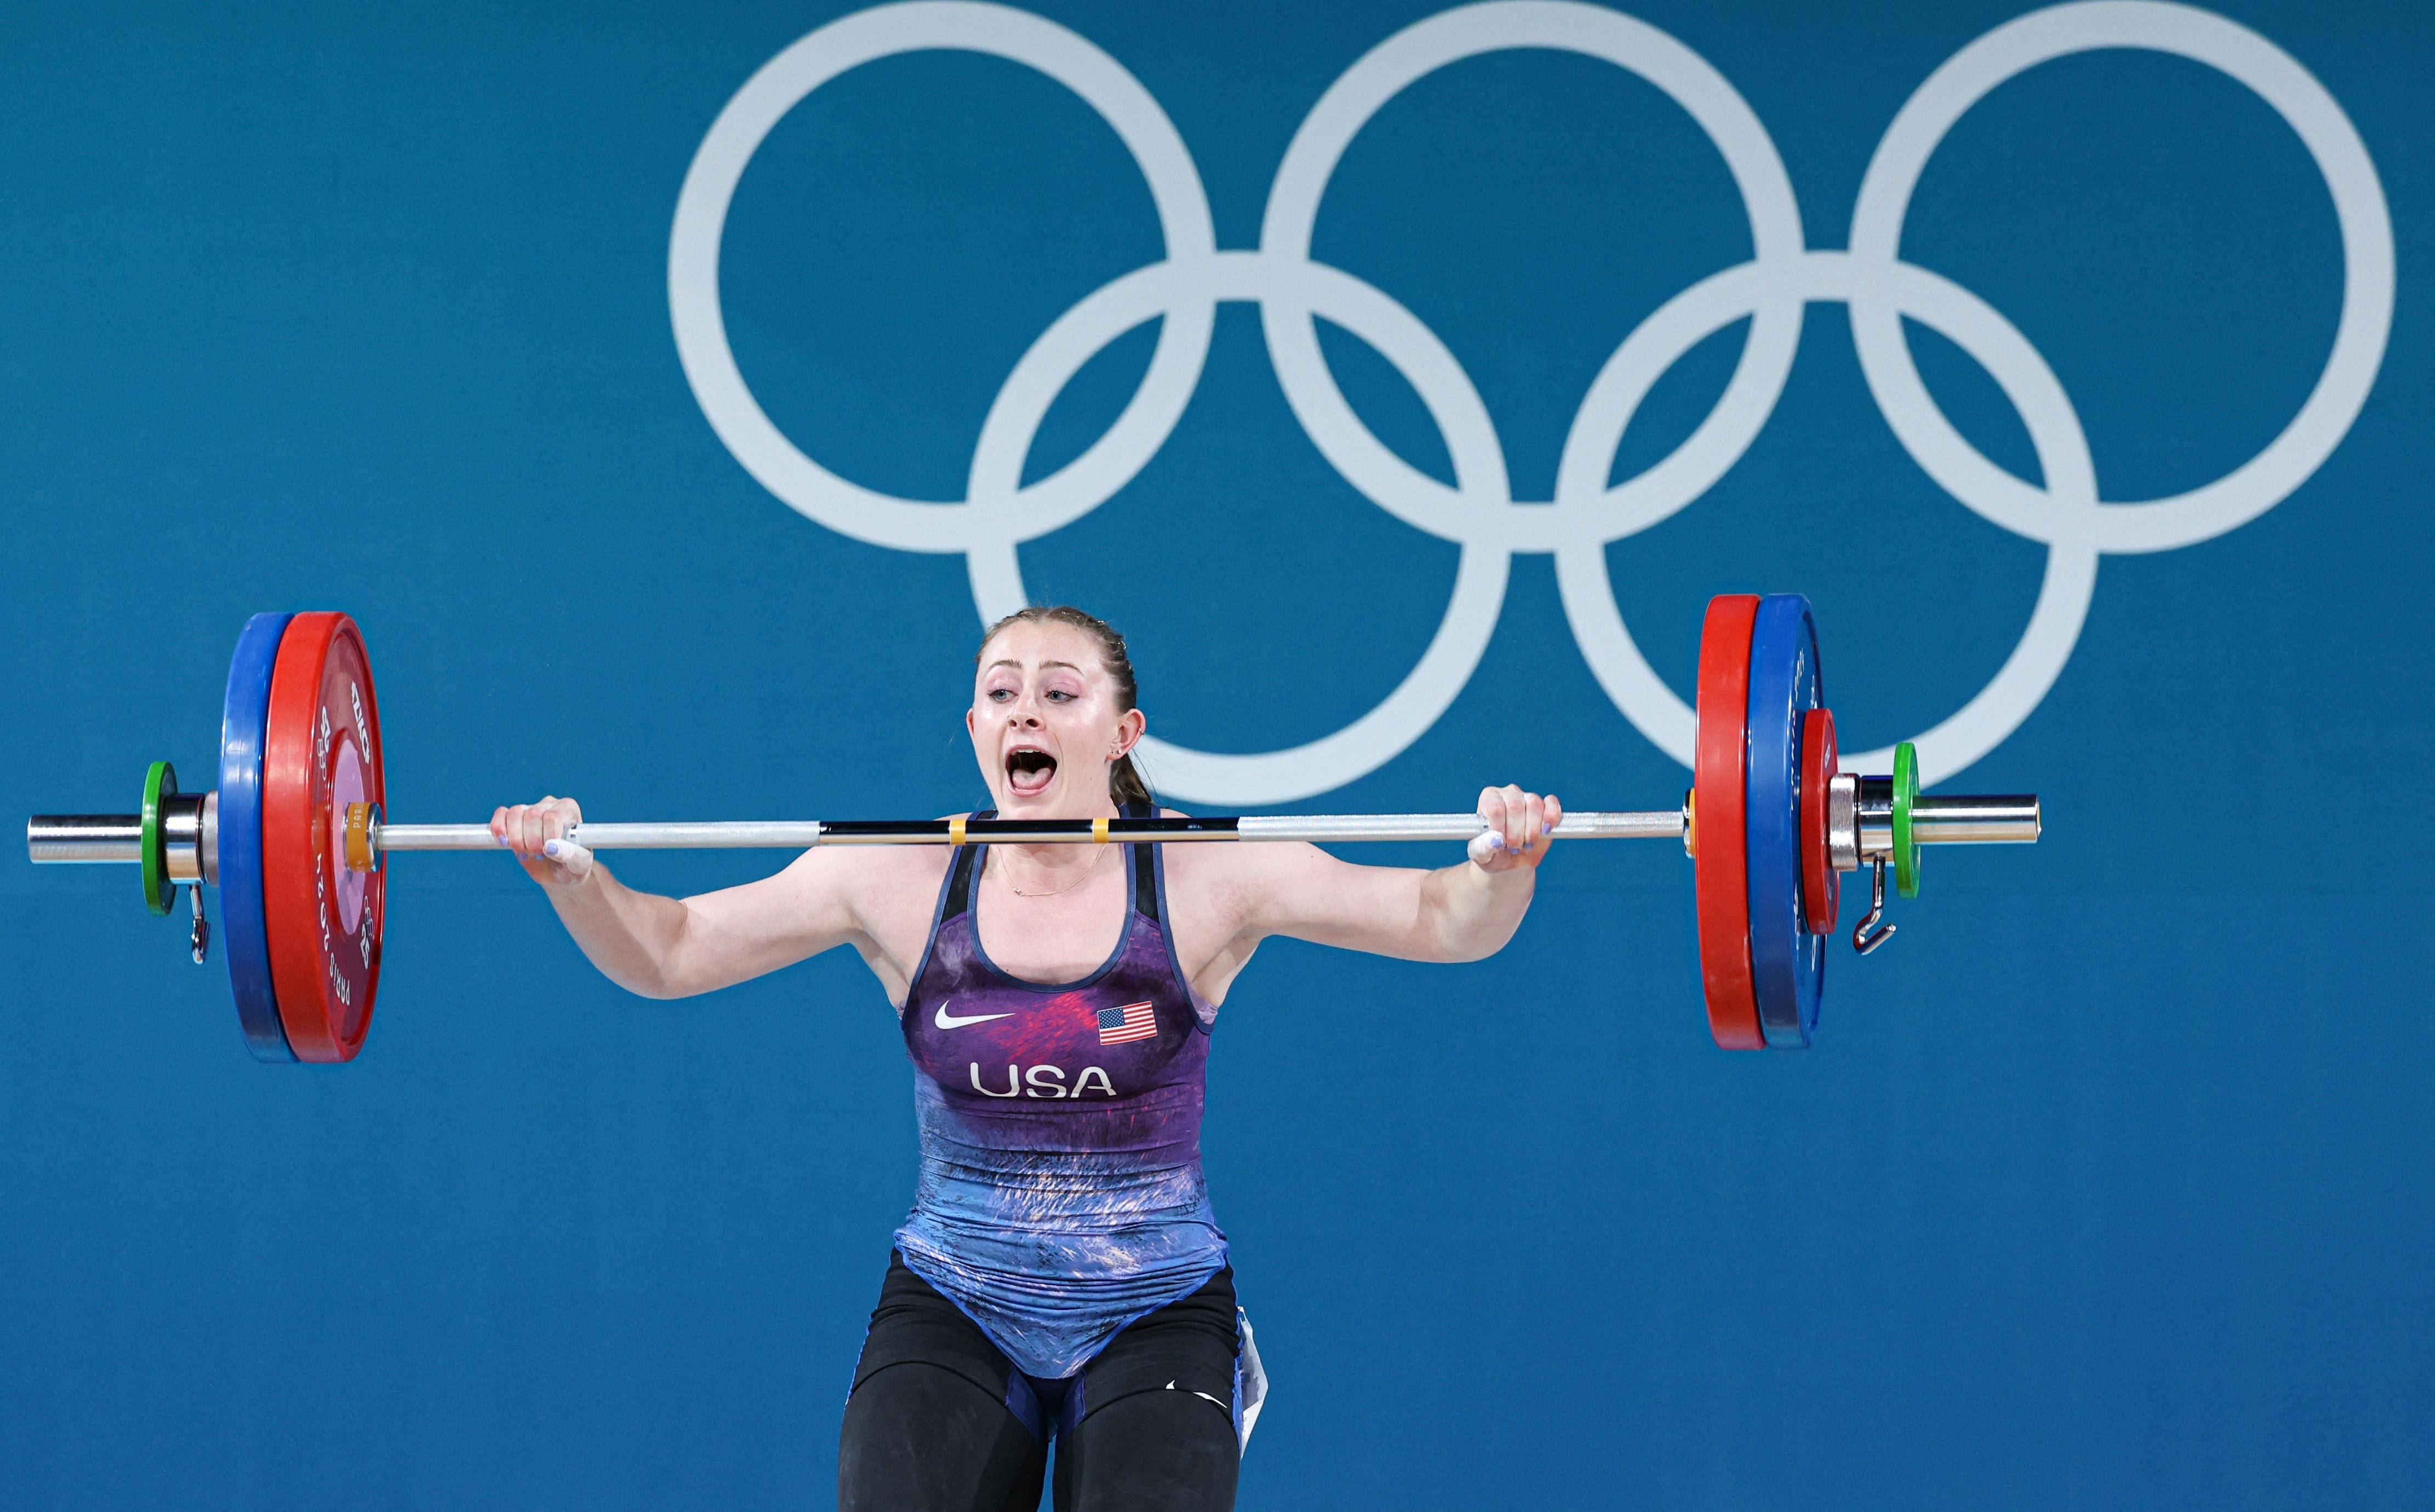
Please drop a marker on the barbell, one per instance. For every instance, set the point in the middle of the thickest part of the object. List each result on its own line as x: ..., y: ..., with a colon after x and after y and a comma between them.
x: 297, y: 840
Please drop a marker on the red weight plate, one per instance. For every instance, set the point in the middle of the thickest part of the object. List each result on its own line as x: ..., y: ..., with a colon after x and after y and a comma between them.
x: 320, y: 752
x: 1720, y: 867
x: 1822, y: 889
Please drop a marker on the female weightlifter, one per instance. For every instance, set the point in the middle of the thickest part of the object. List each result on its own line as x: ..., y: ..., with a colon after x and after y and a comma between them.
x: 1061, y: 1278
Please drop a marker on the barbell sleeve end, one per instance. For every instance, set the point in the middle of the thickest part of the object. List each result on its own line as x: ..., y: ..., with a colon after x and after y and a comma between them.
x: 53, y: 840
x: 2004, y: 819
x: 1990, y: 818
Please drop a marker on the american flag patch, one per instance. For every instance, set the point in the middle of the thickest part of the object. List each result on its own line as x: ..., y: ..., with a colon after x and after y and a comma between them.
x: 1134, y: 1021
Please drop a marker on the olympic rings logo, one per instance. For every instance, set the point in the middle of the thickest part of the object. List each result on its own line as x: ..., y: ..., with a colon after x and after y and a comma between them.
x: 1479, y: 512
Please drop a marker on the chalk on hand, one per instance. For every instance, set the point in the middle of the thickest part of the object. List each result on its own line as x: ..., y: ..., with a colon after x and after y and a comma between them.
x: 574, y: 858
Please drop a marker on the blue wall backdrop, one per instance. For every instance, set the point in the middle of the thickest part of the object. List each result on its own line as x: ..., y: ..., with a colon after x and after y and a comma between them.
x: 2109, y: 1184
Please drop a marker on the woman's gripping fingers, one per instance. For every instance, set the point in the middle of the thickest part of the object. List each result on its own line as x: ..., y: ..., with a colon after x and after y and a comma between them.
x: 528, y: 829
x: 1516, y: 825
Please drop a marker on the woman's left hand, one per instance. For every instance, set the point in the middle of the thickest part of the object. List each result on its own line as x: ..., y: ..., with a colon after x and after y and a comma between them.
x: 1519, y: 825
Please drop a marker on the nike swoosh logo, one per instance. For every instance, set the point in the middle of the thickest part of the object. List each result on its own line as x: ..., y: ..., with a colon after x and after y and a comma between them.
x: 948, y: 1021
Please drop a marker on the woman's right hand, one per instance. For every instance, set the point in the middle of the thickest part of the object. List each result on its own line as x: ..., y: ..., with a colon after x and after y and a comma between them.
x: 536, y: 831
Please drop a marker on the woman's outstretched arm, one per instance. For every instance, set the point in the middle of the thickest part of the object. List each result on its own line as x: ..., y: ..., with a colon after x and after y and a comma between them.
x: 1458, y: 913
x: 663, y: 946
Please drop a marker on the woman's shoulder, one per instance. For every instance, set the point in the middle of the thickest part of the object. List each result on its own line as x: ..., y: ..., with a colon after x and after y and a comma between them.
x: 891, y: 866
x: 1195, y: 865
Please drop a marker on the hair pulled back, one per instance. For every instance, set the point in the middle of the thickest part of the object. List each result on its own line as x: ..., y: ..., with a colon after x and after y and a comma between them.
x: 1123, y: 779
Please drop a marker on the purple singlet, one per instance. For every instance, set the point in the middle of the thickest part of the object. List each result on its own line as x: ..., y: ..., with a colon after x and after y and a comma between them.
x: 1061, y: 1194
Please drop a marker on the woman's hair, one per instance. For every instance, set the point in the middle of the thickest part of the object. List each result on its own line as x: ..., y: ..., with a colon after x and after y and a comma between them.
x: 1123, y: 779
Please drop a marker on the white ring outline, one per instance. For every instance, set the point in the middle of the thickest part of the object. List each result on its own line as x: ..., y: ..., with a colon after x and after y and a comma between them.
x: 2061, y: 447
x: 1394, y: 332
x: 781, y: 83
x: 1585, y: 514
x: 1610, y: 36
x: 2359, y: 209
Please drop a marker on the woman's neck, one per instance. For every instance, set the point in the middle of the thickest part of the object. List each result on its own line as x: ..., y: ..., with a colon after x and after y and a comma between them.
x: 1040, y: 871
x: 1048, y: 870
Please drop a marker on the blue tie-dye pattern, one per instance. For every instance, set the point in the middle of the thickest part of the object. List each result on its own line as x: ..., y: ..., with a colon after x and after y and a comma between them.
x: 1054, y: 1220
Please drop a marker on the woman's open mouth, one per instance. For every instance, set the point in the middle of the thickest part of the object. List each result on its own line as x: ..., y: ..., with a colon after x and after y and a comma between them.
x: 1028, y: 772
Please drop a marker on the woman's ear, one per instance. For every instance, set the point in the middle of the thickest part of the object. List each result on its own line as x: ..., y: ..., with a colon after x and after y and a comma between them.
x: 1129, y: 726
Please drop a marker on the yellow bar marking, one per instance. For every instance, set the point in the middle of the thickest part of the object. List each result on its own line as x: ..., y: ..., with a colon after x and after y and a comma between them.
x: 955, y: 832
x: 1099, y: 832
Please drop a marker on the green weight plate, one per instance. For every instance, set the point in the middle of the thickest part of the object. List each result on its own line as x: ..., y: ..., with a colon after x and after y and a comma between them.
x: 1906, y: 794
x: 160, y: 893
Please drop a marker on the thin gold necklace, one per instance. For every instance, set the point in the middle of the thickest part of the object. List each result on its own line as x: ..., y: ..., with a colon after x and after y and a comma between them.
x: 1089, y: 873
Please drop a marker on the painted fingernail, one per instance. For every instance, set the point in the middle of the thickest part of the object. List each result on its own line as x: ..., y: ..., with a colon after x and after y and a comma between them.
x: 550, y: 849
x: 1496, y: 841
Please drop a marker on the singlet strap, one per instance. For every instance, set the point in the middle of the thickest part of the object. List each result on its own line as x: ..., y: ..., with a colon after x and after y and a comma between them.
x: 958, y: 897
x: 1145, y: 860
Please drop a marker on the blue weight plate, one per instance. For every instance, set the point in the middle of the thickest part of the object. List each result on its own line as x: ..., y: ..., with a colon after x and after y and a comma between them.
x: 242, y: 718
x: 1788, y: 963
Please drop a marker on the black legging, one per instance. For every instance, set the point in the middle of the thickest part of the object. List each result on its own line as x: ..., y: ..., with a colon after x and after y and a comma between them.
x: 932, y: 1425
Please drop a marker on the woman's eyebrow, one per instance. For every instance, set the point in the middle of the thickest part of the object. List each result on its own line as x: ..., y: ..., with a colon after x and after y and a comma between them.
x: 1018, y: 666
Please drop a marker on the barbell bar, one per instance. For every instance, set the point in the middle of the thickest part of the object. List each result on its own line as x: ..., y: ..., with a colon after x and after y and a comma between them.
x: 297, y: 841
x: 190, y: 838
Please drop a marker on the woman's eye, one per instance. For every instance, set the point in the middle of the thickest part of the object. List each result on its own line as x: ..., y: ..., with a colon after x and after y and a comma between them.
x: 1000, y: 694
x: 1060, y: 693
